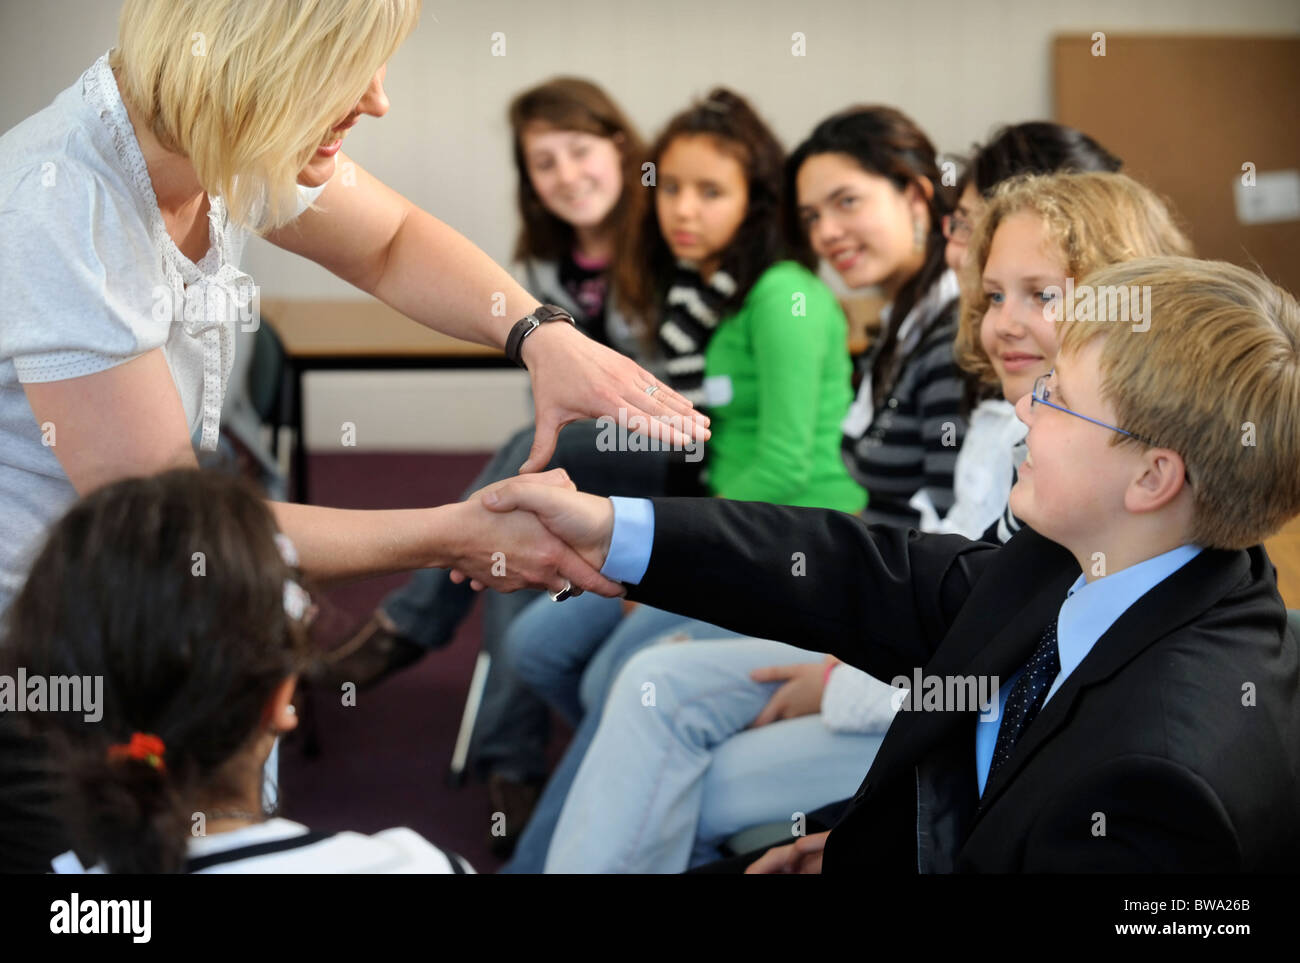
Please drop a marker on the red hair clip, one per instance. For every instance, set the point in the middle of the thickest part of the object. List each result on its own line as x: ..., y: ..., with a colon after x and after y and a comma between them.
x: 144, y: 747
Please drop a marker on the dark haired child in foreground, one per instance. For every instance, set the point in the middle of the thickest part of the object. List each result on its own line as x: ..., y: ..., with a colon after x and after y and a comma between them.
x: 180, y: 594
x: 1149, y: 703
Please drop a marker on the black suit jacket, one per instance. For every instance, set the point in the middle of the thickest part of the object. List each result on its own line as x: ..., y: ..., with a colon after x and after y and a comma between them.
x: 1173, y: 746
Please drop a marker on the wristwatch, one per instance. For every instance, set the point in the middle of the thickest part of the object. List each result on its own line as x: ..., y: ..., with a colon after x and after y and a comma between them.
x: 527, y: 325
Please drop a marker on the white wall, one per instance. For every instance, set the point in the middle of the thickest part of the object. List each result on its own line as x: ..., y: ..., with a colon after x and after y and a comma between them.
x: 959, y: 68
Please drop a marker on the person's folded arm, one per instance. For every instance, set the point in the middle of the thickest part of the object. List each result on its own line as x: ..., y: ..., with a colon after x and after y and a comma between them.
x: 853, y: 701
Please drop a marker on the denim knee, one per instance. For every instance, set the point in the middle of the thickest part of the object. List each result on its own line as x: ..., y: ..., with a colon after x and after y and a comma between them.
x: 646, y: 675
x: 526, y: 654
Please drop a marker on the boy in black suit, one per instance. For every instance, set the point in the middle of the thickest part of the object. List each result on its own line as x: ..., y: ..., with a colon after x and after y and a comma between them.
x: 1149, y: 691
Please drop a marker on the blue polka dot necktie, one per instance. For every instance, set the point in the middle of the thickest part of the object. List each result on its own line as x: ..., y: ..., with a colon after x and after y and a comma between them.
x: 1027, y: 697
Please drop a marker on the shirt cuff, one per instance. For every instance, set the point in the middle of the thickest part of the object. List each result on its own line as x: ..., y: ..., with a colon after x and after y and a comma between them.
x: 631, y: 540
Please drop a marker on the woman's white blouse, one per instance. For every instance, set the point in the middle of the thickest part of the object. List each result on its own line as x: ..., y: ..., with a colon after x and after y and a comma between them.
x: 91, y: 279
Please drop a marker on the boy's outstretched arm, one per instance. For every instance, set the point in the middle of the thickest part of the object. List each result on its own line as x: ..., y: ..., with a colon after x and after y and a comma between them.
x: 879, y: 598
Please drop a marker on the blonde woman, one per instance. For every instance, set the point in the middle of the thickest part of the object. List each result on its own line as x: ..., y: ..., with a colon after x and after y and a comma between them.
x: 124, y: 208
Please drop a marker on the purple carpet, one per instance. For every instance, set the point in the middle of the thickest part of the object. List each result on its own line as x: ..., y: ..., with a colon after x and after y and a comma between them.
x: 384, y: 762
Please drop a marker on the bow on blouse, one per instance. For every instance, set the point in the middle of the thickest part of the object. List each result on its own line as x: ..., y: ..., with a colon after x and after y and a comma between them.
x: 212, y: 306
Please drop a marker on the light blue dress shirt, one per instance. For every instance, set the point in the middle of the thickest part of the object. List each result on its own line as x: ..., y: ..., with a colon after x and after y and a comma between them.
x: 1089, y: 610
x: 631, y: 540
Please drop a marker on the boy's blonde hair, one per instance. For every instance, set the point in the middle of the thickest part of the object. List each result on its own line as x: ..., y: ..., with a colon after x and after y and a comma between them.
x: 1094, y: 219
x: 248, y: 89
x: 1216, y: 378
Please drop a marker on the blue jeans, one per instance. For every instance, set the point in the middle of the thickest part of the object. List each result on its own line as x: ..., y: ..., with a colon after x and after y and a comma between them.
x: 571, y: 657
x: 664, y: 784
x: 550, y: 645
x: 512, y: 729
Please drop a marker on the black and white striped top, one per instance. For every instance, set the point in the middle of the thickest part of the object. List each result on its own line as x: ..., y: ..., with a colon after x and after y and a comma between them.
x: 912, y: 439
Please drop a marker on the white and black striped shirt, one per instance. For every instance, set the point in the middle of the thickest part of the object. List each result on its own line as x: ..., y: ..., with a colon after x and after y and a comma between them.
x: 910, y: 443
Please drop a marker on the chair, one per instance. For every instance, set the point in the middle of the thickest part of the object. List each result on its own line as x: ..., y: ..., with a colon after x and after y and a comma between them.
x: 265, y: 389
x: 761, y: 836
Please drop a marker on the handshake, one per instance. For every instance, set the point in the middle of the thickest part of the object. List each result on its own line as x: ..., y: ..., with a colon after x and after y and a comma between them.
x: 534, y: 531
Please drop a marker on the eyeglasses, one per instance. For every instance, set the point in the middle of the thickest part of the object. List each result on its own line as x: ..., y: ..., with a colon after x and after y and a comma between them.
x: 1042, y: 394
x: 1043, y: 391
x: 956, y: 228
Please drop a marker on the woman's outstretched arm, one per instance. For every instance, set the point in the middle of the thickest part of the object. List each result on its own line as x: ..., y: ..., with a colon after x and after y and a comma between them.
x: 374, y: 238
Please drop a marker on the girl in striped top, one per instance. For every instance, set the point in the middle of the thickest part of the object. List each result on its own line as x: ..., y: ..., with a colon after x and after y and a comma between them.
x: 868, y: 199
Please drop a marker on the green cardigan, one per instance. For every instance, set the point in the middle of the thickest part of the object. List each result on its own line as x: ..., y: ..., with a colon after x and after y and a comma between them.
x: 785, y: 354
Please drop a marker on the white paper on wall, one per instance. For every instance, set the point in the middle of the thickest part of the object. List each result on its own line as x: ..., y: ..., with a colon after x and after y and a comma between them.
x: 1274, y: 197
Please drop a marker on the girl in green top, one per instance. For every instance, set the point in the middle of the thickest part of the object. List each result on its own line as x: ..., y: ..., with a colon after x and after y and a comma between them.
x: 785, y: 358
x: 755, y: 339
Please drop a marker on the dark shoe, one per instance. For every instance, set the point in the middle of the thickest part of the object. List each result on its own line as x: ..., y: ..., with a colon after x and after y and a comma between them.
x: 371, y: 654
x: 512, y: 805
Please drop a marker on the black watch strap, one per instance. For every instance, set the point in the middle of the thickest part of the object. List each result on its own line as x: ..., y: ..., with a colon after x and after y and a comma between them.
x: 527, y: 325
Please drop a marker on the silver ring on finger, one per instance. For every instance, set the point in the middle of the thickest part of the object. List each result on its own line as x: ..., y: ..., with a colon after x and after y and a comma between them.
x: 565, y: 593
x: 651, y: 389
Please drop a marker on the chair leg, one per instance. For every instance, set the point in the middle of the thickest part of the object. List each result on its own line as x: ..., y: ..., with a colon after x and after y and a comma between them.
x: 473, y: 700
